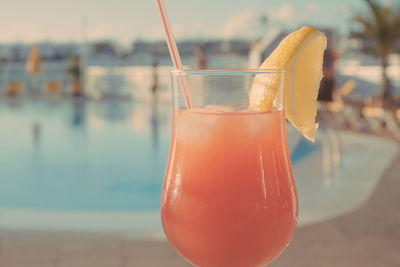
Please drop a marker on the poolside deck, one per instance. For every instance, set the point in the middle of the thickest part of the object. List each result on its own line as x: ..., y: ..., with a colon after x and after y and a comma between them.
x: 368, y: 237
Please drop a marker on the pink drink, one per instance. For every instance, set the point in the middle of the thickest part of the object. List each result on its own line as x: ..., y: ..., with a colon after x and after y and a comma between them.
x: 229, y: 197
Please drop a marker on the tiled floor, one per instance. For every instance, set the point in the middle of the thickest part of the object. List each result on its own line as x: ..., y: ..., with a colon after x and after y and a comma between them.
x: 82, y: 250
x: 369, y: 237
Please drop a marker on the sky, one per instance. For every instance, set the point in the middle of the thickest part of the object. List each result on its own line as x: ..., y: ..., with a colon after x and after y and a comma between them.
x: 127, y: 20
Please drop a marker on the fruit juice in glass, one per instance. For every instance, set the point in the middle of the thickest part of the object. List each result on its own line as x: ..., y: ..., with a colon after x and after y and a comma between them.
x: 229, y: 196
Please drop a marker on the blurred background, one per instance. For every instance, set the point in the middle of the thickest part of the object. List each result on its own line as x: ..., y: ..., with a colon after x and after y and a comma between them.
x: 85, y: 119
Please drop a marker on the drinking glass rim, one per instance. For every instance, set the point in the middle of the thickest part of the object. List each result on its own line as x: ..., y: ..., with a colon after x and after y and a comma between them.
x: 227, y: 71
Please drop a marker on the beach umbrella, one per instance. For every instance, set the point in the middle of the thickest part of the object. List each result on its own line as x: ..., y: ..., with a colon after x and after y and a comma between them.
x: 33, y: 62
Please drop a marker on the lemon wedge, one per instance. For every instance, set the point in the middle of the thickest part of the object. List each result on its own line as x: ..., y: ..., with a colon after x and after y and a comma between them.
x: 300, y: 54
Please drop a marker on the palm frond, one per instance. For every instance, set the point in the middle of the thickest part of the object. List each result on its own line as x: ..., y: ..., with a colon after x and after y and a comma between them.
x: 381, y: 25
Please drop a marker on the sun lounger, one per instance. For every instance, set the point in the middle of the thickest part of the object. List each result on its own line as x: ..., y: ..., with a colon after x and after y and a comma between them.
x: 382, y: 121
x: 13, y: 88
x: 353, y: 117
x: 52, y: 87
x: 332, y: 113
x: 341, y: 115
x: 337, y: 113
x: 374, y: 117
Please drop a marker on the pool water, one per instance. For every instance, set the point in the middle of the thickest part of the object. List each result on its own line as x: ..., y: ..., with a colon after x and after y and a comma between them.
x: 85, y: 165
x: 82, y: 155
x: 89, y: 156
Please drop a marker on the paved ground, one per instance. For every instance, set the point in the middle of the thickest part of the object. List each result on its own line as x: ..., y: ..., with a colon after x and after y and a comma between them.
x: 369, y: 237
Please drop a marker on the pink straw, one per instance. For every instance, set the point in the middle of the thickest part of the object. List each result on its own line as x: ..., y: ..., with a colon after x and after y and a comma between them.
x: 173, y: 50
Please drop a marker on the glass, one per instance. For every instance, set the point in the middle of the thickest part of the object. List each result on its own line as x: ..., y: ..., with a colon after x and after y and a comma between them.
x: 229, y: 196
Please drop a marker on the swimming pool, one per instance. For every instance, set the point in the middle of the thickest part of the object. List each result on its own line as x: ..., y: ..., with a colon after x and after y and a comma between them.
x: 86, y: 165
x: 82, y: 155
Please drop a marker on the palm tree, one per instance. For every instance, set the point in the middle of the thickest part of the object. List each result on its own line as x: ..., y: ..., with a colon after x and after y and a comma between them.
x: 381, y: 25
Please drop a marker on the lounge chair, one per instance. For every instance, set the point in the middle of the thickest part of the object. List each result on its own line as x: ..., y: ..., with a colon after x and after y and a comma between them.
x: 341, y: 115
x: 52, y: 87
x: 337, y: 113
x: 374, y: 117
x: 13, y: 88
x: 382, y: 121
x: 353, y: 117
x: 332, y: 113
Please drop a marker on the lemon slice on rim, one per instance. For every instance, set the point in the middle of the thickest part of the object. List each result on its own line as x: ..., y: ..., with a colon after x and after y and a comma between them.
x: 300, y: 54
